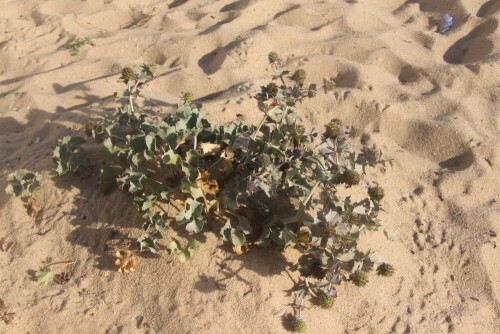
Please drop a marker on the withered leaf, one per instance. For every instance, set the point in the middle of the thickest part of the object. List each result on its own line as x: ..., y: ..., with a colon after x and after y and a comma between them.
x: 32, y: 207
x: 208, y: 186
x: 125, y: 261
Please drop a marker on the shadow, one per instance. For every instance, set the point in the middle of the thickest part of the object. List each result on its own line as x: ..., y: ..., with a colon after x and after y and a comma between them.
x: 89, y: 100
x: 22, y: 77
x: 489, y: 8
x: 219, y: 24
x: 211, y: 62
x: 2, y: 95
x: 286, y: 11
x: 263, y: 261
x: 237, y: 5
x: 475, y: 46
x: 347, y: 78
x: 408, y: 75
x: 177, y: 3
x: 439, y: 8
x: 218, y: 94
x: 459, y: 162
x: 9, y: 125
x: 288, y: 322
x: 32, y: 275
x: 94, y: 227
x: 60, y: 89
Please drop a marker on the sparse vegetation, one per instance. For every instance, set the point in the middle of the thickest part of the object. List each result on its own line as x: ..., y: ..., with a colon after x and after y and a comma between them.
x: 75, y: 47
x: 274, y: 183
x: 47, y: 274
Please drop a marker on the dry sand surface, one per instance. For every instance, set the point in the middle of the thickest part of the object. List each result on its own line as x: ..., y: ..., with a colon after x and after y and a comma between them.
x: 429, y: 100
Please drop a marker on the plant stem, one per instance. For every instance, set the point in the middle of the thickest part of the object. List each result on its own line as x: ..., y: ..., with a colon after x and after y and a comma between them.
x: 131, y: 102
x: 300, y: 308
x: 61, y: 264
x: 258, y: 127
x: 312, y: 192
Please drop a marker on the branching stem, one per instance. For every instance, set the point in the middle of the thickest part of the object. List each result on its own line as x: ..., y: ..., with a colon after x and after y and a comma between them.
x: 312, y: 192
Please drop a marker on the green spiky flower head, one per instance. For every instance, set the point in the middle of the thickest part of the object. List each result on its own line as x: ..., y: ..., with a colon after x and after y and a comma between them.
x: 272, y: 90
x: 149, y: 69
x: 187, y: 97
x: 329, y: 85
x: 333, y: 128
x: 325, y: 301
x: 273, y: 57
x: 352, y: 177
x: 385, y: 269
x: 328, y: 229
x: 300, y: 129
x: 128, y: 74
x: 376, y: 193
x: 359, y: 278
x: 299, y: 76
x: 299, y: 326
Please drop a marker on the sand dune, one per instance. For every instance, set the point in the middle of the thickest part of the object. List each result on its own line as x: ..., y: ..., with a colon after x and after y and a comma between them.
x: 430, y: 100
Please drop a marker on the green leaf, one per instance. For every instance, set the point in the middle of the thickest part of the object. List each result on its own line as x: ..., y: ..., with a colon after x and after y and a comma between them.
x: 172, y: 247
x: 22, y: 180
x: 193, y: 244
x: 184, y: 256
x: 147, y: 242
x: 44, y: 276
x: 195, y: 225
x: 189, y: 187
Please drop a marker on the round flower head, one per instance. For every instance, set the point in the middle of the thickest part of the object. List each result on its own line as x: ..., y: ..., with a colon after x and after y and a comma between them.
x: 325, y: 301
x: 299, y: 76
x: 299, y: 326
x: 376, y: 193
x: 271, y: 90
x: 352, y: 177
x: 187, y: 97
x: 359, y: 278
x: 385, y: 269
x: 273, y: 57
x: 128, y: 74
x: 333, y: 129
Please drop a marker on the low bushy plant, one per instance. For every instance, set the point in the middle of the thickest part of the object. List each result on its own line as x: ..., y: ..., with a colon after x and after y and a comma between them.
x: 268, y: 184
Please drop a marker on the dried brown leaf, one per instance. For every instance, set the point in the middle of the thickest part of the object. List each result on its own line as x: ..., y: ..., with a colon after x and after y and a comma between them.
x: 238, y: 250
x: 125, y: 261
x: 31, y: 207
x: 208, y: 186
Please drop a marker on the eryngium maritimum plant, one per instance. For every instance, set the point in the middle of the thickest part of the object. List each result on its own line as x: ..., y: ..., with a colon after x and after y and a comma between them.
x: 258, y: 185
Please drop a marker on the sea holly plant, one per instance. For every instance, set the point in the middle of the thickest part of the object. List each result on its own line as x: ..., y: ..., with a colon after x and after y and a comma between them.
x: 183, y: 253
x: 23, y: 181
x: 47, y: 272
x: 75, y: 47
x: 274, y: 183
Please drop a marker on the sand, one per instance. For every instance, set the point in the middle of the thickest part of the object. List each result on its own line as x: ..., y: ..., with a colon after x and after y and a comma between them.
x: 429, y: 100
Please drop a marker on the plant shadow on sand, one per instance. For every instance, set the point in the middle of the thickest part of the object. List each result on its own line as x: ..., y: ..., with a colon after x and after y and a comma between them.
x: 103, y: 222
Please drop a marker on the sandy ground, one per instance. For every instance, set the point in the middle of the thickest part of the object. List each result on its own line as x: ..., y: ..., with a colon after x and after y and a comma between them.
x: 429, y: 100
